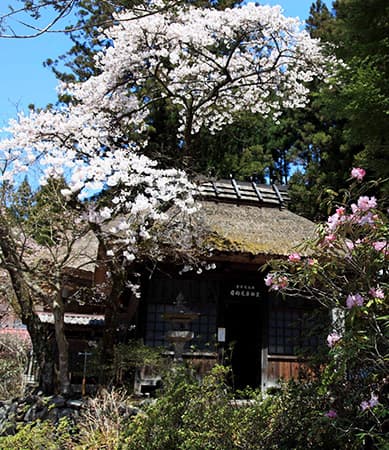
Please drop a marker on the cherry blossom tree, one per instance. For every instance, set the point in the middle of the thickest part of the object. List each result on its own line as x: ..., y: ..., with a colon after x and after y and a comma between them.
x: 127, y: 231
x: 208, y: 65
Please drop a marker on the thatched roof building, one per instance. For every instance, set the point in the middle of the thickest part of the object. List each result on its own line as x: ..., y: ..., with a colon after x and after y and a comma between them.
x: 243, y: 220
x: 246, y: 224
x: 250, y: 219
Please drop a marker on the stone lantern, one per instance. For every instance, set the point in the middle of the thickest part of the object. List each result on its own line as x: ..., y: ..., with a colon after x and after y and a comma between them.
x: 180, y: 319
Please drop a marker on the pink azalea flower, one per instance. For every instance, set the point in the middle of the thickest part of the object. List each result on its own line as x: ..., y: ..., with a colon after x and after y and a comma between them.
x: 358, y: 173
x: 336, y: 219
x: 330, y: 238
x: 280, y: 283
x: 333, y: 222
x: 332, y: 414
x: 379, y: 245
x: 365, y: 203
x: 276, y: 283
x: 373, y: 400
x: 377, y: 293
x: 368, y: 219
x: 354, y: 300
x: 294, y: 257
x: 333, y: 338
x: 269, y: 279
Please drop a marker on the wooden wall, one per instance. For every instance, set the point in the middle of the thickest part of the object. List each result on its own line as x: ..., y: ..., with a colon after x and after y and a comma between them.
x: 282, y: 367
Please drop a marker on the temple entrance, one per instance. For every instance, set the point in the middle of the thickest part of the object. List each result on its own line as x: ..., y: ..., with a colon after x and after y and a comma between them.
x: 243, y: 342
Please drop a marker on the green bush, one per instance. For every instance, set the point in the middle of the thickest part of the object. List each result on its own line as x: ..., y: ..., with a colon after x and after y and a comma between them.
x: 40, y: 436
x: 197, y: 415
x: 127, y: 358
x: 192, y: 414
x: 297, y: 419
x: 165, y: 421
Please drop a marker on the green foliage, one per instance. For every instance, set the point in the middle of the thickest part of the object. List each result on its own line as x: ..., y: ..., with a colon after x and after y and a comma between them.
x: 359, y: 102
x: 136, y: 354
x: 121, y: 368
x: 40, y: 435
x: 345, y: 123
x: 126, y: 359
x: 192, y: 414
x: 42, y: 215
x: 320, y: 22
x: 21, y: 201
x: 195, y: 415
x: 49, y: 215
x: 250, y: 147
x: 296, y: 419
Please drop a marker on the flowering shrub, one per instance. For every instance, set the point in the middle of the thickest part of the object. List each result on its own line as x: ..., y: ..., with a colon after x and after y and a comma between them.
x: 348, y: 274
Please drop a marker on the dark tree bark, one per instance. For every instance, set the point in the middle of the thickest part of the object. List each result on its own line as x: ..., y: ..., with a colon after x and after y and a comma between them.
x: 62, y: 343
x: 38, y: 331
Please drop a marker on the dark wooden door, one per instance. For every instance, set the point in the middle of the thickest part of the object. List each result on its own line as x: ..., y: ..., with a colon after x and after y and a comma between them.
x: 243, y: 336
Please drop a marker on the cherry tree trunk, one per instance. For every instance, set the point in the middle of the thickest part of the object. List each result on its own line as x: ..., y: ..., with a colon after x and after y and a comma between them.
x: 38, y: 331
x: 110, y: 331
x: 62, y: 343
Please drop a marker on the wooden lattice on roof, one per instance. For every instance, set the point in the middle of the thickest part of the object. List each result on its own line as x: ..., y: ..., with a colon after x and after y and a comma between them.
x: 245, y: 192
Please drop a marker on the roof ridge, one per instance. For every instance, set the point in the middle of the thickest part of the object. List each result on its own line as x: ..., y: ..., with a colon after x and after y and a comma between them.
x: 245, y: 192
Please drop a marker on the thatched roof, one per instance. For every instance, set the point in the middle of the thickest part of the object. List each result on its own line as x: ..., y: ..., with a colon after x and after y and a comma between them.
x: 240, y: 217
x: 253, y: 230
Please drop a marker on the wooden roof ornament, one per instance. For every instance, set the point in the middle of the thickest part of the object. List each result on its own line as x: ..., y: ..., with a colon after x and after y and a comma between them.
x: 247, y: 192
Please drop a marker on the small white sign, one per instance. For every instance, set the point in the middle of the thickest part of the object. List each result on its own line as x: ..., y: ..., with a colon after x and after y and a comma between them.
x: 245, y: 290
x: 221, y: 335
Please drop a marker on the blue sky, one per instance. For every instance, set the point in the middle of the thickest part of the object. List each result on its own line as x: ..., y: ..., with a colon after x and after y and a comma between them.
x: 24, y: 80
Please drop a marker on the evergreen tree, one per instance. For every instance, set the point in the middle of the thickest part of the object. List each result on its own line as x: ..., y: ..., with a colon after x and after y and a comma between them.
x: 345, y: 124
x: 361, y: 36
x: 47, y: 213
x: 21, y: 201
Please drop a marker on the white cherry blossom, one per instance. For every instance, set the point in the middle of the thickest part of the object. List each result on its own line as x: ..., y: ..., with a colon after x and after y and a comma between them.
x: 210, y: 64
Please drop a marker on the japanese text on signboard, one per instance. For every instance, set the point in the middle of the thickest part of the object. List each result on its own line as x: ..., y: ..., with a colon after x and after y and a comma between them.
x: 245, y: 290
